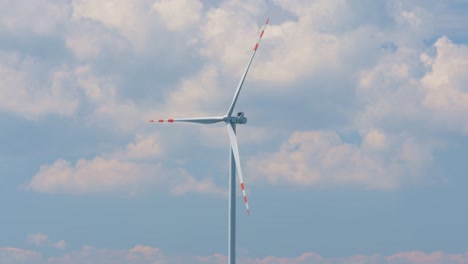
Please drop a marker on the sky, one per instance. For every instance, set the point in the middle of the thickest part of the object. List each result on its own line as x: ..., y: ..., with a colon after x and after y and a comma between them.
x: 354, y: 151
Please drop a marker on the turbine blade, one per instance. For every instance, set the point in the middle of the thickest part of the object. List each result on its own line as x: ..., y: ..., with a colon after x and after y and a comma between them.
x: 235, y: 150
x: 241, y: 82
x: 199, y: 120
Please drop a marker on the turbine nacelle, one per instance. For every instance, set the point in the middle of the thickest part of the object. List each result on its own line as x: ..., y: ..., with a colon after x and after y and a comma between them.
x: 239, y: 119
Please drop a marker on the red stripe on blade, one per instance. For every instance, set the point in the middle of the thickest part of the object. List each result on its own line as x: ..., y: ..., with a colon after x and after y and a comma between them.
x: 170, y: 120
x: 151, y: 121
x: 161, y: 120
x: 256, y: 46
x: 261, y: 34
x: 268, y: 20
x: 242, y: 186
x: 245, y: 199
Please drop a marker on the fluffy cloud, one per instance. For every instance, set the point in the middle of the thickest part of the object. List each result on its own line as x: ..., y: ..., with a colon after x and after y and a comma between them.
x: 148, y: 26
x: 127, y: 171
x: 325, y: 37
x: 130, y: 18
x: 418, y: 92
x: 40, y: 239
x: 322, y: 158
x: 444, y: 85
x: 416, y: 87
x: 179, y: 14
x: 89, y: 41
x: 97, y: 175
x: 32, y: 96
x: 190, y: 99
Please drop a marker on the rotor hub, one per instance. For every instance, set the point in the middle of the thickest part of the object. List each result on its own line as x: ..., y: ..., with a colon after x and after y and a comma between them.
x: 238, y: 119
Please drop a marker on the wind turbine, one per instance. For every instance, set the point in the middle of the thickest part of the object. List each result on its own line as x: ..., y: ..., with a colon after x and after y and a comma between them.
x: 234, y: 160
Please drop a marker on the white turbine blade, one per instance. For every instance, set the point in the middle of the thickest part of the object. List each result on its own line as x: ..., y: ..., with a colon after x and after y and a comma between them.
x: 241, y: 82
x: 235, y: 150
x: 199, y: 120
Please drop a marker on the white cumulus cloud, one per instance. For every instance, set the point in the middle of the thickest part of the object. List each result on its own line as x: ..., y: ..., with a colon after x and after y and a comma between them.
x: 322, y: 158
x: 128, y: 171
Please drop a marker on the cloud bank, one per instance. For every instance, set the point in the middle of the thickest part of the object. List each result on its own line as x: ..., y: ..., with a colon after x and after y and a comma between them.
x: 376, y: 70
x: 147, y: 254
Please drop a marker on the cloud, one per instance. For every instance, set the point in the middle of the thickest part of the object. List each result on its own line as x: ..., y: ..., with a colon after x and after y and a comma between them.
x: 10, y: 255
x: 130, y: 18
x: 192, y: 185
x: 150, y: 27
x: 90, y: 41
x: 411, y: 257
x: 179, y: 14
x: 302, y: 259
x: 40, y: 239
x: 97, y: 175
x: 42, y: 17
x: 128, y: 171
x: 30, y: 96
x: 324, y: 37
x: 138, y: 254
x: 391, y: 82
x: 431, y: 258
x: 416, y: 90
x: 446, y: 95
x: 147, y: 254
x: 322, y: 158
x: 194, y: 93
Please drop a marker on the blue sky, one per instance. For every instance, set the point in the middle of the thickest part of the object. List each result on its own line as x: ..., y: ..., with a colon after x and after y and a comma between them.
x: 354, y: 151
